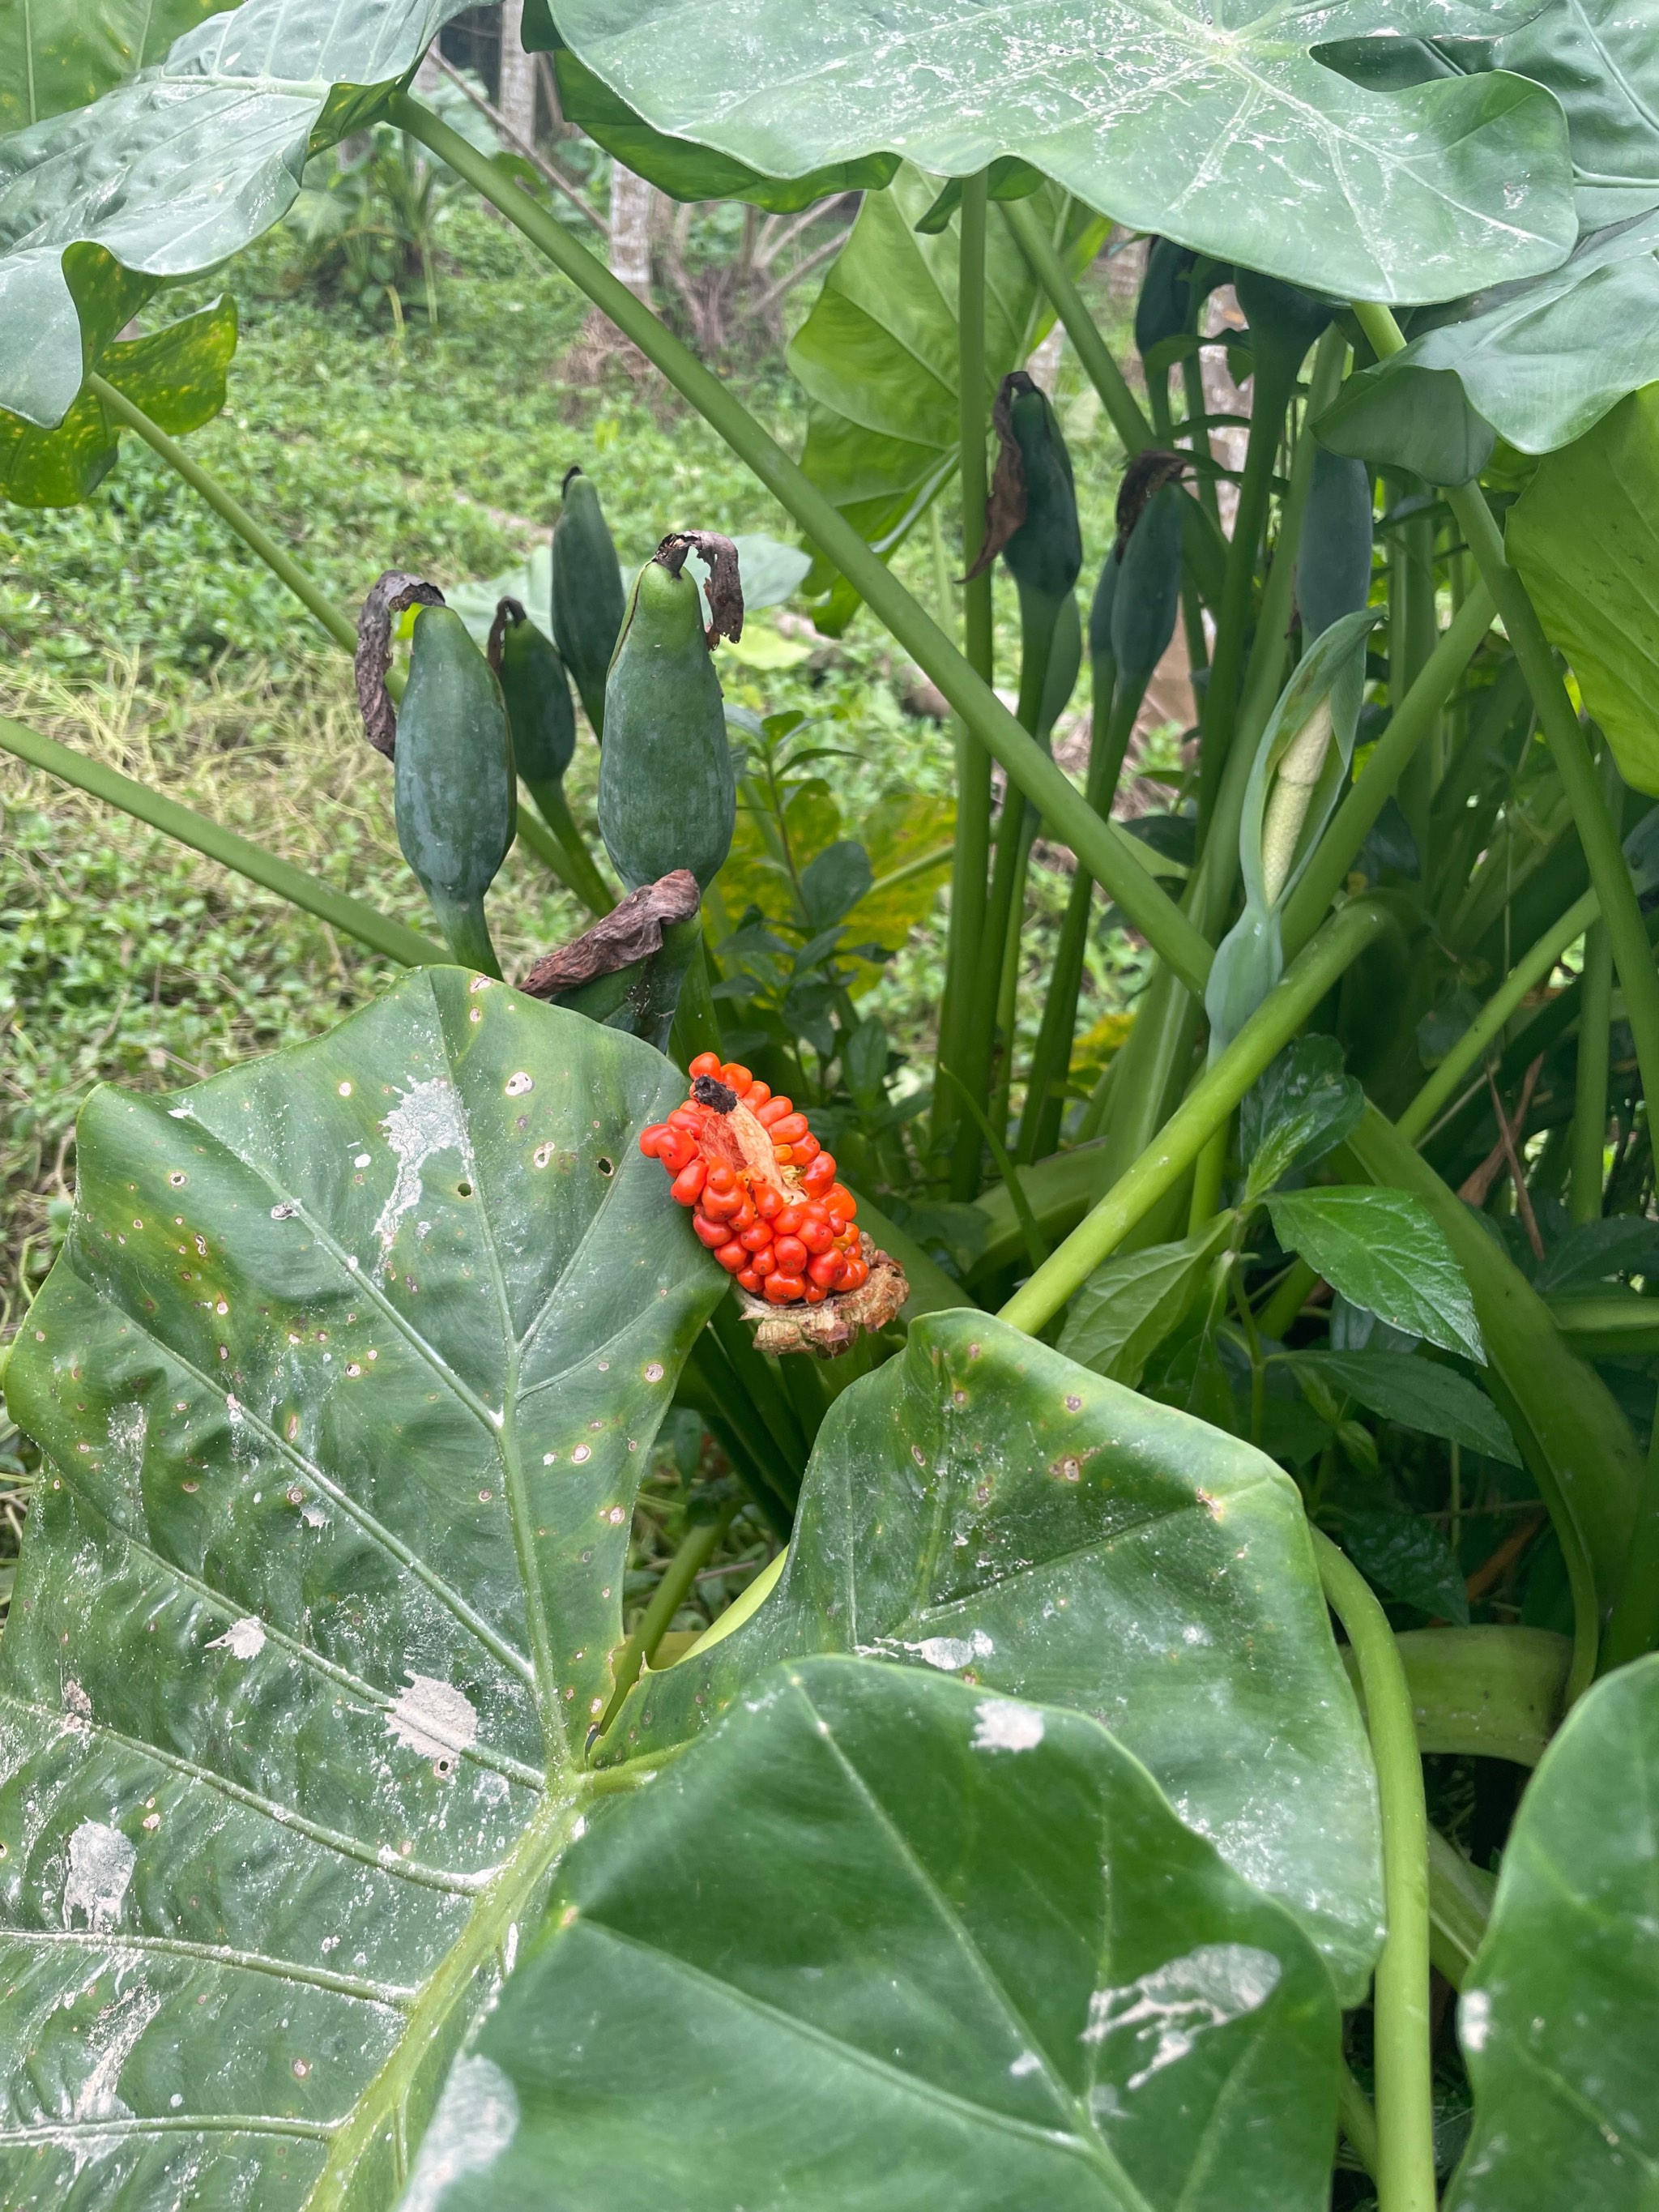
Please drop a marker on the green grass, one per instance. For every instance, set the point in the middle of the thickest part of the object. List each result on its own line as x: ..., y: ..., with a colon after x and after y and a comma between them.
x: 139, y: 628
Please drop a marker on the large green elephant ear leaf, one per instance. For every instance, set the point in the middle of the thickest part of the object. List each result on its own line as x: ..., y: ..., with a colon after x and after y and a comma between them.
x: 1541, y: 363
x: 184, y: 165
x: 59, y: 54
x: 345, y: 1381
x: 1147, y: 111
x: 177, y: 375
x: 1601, y: 60
x: 686, y: 171
x: 1559, y: 2015
x: 1585, y: 537
x: 877, y: 355
x: 986, y: 1508
x: 882, y: 1940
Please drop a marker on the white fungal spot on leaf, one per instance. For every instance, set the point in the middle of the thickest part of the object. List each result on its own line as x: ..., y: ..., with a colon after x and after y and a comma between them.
x: 426, y: 1120
x: 100, y: 1866
x: 1001, y: 1724
x: 948, y: 1653
x: 476, y: 2118
x: 432, y: 1718
x: 1473, y: 2020
x: 96, y: 2098
x: 1167, y: 2010
x: 243, y: 1639
x: 517, y: 1084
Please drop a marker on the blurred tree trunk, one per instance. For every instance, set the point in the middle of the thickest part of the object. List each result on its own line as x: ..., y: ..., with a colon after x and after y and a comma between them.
x: 631, y: 199
x: 516, y: 93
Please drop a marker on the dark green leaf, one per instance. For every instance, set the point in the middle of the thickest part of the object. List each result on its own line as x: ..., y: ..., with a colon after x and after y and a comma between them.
x: 1299, y: 1110
x: 1404, y: 1555
x: 1131, y: 1303
x: 346, y: 1378
x: 1007, y: 179
x: 59, y: 54
x: 882, y: 1940
x: 877, y: 354
x: 1384, y: 1249
x: 1585, y: 537
x: 1539, y: 362
x: 1623, y: 1244
x: 1601, y: 60
x: 689, y: 171
x: 177, y: 375
x: 1419, y: 1395
x: 181, y: 167
x: 1417, y: 195
x: 834, y: 882
x: 1409, y: 417
x: 1559, y: 2015
x: 984, y: 1507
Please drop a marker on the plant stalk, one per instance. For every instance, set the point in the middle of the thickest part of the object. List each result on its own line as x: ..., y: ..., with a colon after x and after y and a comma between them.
x: 1100, y: 844
x: 1470, y: 1049
x: 1101, y: 370
x: 576, y: 864
x: 391, y: 939
x: 1589, y: 1110
x: 1204, y: 1110
x: 971, y: 860
x: 1370, y: 791
x: 339, y: 626
x: 670, y: 1595
x: 1609, y: 873
x: 1405, y: 2070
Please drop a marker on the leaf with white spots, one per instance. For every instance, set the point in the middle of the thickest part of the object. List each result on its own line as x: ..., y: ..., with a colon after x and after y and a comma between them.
x: 983, y: 1506
x: 839, y: 1956
x: 345, y: 1378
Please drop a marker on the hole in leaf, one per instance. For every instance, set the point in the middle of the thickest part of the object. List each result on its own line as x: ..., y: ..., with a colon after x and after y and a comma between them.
x: 463, y: 1190
x: 606, y: 1167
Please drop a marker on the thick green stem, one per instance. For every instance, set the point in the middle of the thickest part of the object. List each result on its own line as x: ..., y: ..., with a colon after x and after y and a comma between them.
x: 1115, y: 720
x: 339, y: 626
x: 1106, y: 850
x: 1589, y: 1108
x: 1091, y: 349
x: 1211, y: 896
x: 1411, y: 644
x: 391, y: 939
x: 1205, y: 1110
x: 576, y: 864
x: 973, y: 839
x: 1470, y: 1049
x: 1609, y: 873
x: 1412, y: 722
x: 462, y: 921
x: 1634, y: 1626
x: 998, y: 968
x: 1404, y: 2061
x: 1275, y: 385
x: 670, y: 1595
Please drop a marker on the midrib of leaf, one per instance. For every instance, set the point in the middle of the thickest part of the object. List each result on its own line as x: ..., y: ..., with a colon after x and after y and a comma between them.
x: 506, y: 1902
x: 1087, y: 2138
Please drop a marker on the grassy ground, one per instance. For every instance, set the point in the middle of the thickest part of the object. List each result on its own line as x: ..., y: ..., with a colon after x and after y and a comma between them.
x: 137, y: 629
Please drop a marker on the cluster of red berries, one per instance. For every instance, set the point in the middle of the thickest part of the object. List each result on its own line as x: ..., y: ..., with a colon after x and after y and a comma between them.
x: 767, y: 1202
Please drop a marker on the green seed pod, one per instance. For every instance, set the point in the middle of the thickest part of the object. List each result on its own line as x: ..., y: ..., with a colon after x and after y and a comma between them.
x: 1044, y: 552
x: 537, y: 692
x: 587, y: 593
x: 1100, y: 656
x: 1165, y: 309
x: 1334, y: 561
x: 456, y: 803
x: 667, y: 799
x: 1148, y: 595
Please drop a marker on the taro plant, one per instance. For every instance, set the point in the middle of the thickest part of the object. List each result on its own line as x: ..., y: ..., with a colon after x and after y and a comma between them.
x: 1206, y: 1483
